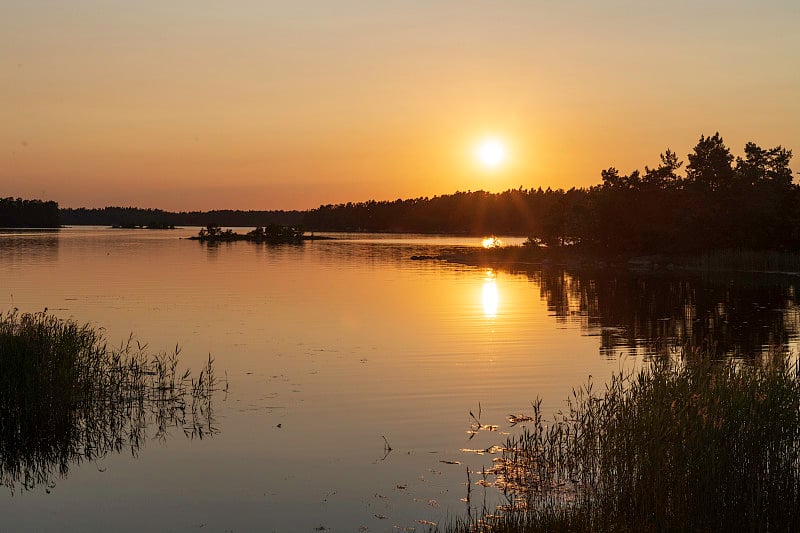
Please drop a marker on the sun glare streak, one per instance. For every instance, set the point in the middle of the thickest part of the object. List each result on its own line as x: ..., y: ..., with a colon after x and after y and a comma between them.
x: 490, y: 296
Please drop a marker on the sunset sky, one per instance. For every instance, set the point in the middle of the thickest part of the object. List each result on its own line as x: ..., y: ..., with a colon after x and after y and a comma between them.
x: 267, y: 104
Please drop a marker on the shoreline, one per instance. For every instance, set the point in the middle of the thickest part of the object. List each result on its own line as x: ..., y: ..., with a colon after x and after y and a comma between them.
x: 520, y: 258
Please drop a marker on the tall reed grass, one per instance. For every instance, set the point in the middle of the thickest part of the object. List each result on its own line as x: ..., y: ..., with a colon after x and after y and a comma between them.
x: 67, y: 397
x: 684, y: 444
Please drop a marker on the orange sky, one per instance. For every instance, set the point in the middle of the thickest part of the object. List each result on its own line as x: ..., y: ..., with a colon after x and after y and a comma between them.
x: 266, y: 105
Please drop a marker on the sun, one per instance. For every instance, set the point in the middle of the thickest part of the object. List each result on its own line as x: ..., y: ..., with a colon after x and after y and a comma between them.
x: 492, y: 152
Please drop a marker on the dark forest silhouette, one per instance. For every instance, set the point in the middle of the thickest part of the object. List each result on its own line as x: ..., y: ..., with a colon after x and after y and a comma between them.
x: 715, y: 201
x: 719, y: 202
x: 19, y: 213
x: 127, y: 217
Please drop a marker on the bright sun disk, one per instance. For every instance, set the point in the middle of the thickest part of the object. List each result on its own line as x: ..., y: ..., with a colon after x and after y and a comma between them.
x: 492, y: 153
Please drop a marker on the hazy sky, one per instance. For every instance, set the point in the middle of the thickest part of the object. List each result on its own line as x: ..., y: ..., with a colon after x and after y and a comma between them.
x: 268, y: 104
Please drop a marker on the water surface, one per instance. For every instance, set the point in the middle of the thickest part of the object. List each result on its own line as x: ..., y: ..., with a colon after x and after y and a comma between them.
x: 332, y: 345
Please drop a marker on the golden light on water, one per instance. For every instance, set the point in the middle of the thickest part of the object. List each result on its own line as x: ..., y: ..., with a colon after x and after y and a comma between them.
x: 490, y: 296
x: 491, y: 242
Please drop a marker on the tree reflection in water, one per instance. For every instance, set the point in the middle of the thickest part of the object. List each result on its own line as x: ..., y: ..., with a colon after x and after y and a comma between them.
x: 66, y: 397
x: 724, y: 313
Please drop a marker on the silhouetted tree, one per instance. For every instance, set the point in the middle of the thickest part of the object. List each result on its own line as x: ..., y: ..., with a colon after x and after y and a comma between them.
x: 761, y: 166
x: 710, y: 164
x: 665, y: 175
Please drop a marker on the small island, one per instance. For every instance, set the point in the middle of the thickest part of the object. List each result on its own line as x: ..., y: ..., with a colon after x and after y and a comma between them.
x: 270, y: 234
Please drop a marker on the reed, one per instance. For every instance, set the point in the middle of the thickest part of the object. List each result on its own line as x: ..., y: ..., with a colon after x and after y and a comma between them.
x: 67, y: 397
x: 684, y: 444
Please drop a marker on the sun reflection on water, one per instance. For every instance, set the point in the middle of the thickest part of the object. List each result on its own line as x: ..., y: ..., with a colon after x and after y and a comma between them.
x: 490, y: 296
x: 491, y: 242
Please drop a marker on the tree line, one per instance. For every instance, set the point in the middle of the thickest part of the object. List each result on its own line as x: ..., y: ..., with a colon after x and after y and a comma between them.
x: 713, y: 201
x: 718, y: 202
x: 19, y: 213
x: 134, y: 216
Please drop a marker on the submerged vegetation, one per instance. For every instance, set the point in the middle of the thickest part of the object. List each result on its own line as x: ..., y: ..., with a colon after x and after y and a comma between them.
x: 686, y: 444
x: 67, y: 397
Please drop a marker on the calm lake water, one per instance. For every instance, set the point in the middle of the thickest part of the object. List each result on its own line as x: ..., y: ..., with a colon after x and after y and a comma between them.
x: 331, y: 346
